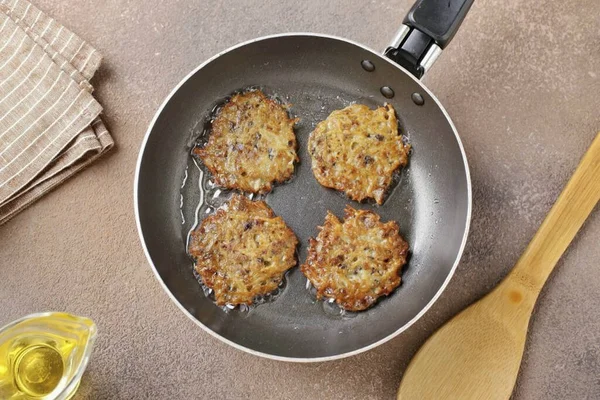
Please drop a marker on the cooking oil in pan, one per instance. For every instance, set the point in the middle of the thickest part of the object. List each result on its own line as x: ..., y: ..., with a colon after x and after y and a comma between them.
x: 330, y: 307
x: 44, y: 355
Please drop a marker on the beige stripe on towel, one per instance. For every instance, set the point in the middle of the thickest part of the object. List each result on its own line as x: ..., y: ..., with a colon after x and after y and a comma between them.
x: 49, y: 121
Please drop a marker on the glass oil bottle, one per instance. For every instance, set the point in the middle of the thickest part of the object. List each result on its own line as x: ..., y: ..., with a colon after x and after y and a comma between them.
x: 43, y: 356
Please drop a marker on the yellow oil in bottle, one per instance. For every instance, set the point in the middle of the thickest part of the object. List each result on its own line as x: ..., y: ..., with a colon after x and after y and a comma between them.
x: 38, y: 370
x: 43, y: 356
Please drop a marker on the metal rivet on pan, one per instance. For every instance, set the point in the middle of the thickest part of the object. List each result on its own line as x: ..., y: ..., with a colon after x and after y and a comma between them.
x: 368, y: 65
x: 387, y: 91
x: 417, y: 99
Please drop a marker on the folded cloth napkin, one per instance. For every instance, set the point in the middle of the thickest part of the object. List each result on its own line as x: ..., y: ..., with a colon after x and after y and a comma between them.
x: 49, y: 121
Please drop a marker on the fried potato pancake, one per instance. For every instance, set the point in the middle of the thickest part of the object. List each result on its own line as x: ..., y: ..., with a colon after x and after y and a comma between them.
x: 357, y: 261
x: 242, y: 251
x: 251, y: 144
x: 356, y: 150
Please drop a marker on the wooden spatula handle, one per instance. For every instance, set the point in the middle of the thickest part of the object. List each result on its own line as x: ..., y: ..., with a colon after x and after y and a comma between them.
x: 573, y: 206
x: 478, y: 353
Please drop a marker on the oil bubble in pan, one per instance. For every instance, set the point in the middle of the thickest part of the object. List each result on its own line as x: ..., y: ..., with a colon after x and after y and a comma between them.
x: 328, y: 304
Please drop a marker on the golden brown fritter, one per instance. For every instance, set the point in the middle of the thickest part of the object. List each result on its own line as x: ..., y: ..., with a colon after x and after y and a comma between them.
x: 357, y: 261
x: 356, y: 150
x: 251, y: 144
x: 242, y: 251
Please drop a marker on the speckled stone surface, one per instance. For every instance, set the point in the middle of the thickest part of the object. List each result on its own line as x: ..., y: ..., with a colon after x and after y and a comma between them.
x: 521, y: 81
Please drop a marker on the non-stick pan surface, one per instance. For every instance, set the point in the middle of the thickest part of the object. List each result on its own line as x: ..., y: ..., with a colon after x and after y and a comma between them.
x: 316, y: 74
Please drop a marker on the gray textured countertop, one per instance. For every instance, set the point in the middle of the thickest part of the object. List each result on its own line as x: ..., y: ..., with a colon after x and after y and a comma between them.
x: 521, y: 81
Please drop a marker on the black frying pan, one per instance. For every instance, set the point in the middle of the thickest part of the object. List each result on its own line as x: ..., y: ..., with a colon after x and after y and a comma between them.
x: 316, y: 74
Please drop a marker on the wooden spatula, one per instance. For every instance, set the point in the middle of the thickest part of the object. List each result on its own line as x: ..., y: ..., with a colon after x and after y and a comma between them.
x: 476, y: 355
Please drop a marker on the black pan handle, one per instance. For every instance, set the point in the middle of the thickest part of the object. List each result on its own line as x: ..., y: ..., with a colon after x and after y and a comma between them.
x: 427, y: 29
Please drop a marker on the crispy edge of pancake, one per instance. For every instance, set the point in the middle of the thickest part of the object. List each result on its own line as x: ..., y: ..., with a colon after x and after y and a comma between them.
x: 229, y: 258
x: 242, y: 165
x: 366, y: 172
x: 340, y: 267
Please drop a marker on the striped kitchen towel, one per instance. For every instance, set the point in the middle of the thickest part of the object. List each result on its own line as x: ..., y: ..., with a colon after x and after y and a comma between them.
x: 49, y: 121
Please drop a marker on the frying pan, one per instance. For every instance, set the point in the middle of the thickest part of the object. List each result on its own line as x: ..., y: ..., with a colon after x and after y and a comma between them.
x: 316, y: 74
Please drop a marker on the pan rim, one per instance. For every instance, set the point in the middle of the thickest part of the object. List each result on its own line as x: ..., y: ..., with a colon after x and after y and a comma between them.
x: 272, y: 356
